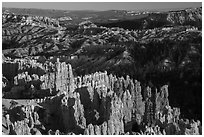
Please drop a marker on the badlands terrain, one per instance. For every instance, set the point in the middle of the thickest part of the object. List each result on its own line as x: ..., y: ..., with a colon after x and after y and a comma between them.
x: 101, y: 72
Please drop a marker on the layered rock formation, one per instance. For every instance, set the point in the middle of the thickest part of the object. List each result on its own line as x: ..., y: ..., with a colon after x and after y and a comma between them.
x: 30, y: 20
x: 185, y: 16
x: 32, y: 75
x: 44, y: 94
x: 46, y: 39
x: 95, y: 104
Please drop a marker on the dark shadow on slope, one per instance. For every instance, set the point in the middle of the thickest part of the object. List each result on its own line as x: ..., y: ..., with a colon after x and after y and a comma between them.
x: 92, y: 106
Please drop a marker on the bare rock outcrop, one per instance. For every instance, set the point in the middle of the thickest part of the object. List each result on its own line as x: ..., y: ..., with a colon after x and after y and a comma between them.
x: 95, y: 104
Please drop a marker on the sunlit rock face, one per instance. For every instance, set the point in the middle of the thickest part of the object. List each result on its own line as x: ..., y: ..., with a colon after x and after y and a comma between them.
x: 95, y: 104
x: 94, y: 80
